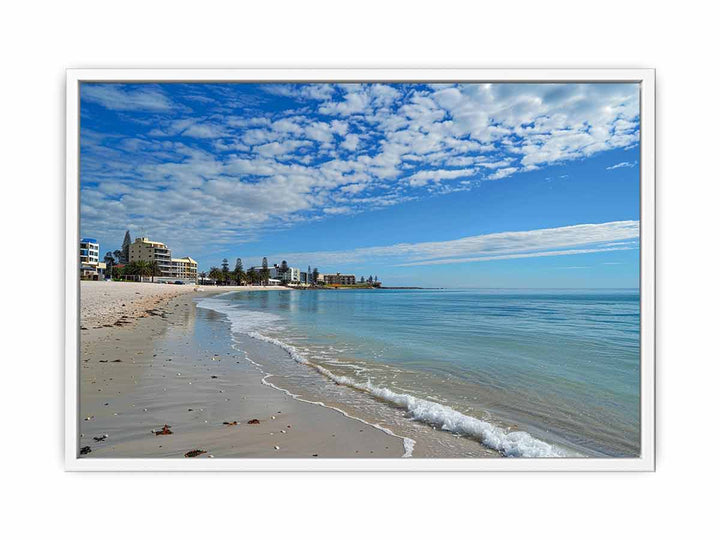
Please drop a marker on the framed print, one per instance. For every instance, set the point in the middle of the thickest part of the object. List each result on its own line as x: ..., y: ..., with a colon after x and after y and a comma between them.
x: 391, y: 269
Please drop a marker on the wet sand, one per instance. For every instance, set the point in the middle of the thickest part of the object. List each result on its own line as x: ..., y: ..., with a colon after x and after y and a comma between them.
x: 152, y: 366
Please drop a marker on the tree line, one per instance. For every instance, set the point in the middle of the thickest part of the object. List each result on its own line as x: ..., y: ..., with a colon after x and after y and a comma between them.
x: 136, y: 269
x: 223, y: 275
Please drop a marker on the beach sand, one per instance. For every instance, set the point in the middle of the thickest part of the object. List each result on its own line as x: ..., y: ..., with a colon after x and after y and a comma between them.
x: 143, y: 366
x: 106, y: 302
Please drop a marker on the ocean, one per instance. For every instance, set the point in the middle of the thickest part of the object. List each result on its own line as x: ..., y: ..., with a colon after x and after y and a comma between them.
x: 471, y: 372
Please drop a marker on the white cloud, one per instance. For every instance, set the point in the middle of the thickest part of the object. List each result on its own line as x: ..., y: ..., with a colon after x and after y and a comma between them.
x: 355, y: 102
x: 319, y: 131
x: 280, y: 150
x: 545, y: 123
x: 423, y: 177
x: 621, y: 165
x: 118, y: 99
x: 515, y: 256
x: 351, y: 142
x: 235, y: 175
x: 502, y: 173
x: 569, y: 240
x: 338, y: 210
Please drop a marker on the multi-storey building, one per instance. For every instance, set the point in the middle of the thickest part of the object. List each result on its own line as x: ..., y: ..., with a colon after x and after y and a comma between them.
x: 289, y: 275
x: 90, y: 265
x: 184, y: 269
x: 339, y: 279
x: 169, y: 269
x: 144, y: 249
x: 89, y: 251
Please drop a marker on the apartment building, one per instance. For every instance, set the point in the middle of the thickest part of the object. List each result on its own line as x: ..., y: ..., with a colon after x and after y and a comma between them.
x: 90, y: 265
x: 89, y: 251
x: 339, y: 279
x: 184, y: 269
x: 291, y: 275
x: 169, y: 269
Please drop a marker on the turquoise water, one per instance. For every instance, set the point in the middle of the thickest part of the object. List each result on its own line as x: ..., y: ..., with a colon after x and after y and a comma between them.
x: 560, y: 365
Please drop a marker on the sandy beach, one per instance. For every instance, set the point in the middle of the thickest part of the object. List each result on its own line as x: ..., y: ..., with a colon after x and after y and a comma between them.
x: 107, y: 302
x: 150, y: 386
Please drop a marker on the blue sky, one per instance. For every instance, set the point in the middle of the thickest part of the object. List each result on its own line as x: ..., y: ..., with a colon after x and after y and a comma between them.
x: 479, y: 185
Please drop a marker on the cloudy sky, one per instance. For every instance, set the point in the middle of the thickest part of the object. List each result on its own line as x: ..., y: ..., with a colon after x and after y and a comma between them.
x: 496, y: 185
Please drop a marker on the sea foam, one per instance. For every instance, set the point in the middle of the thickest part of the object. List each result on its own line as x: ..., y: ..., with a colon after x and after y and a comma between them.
x: 508, y: 443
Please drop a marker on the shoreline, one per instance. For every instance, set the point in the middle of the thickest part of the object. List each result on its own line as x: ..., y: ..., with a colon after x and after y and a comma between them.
x: 159, y: 364
x: 105, y: 303
x: 200, y: 338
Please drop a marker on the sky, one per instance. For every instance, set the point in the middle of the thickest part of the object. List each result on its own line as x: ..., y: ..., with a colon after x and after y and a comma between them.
x: 433, y: 185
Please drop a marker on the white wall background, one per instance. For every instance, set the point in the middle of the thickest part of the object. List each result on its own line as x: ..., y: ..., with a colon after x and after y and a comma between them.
x: 39, y: 40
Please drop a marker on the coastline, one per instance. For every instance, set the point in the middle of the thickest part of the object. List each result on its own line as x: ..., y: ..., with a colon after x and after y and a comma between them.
x: 105, y: 303
x: 146, y: 363
x: 228, y: 365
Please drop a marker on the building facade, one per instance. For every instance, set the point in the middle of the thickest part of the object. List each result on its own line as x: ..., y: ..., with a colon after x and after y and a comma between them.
x: 89, y: 251
x: 339, y: 279
x: 184, y: 269
x: 291, y: 275
x: 169, y: 269
x: 90, y: 265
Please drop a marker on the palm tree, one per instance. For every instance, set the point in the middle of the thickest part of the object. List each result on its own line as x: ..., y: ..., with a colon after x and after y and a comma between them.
x: 130, y: 270
x: 252, y: 276
x: 143, y: 268
x: 154, y: 270
x: 216, y: 274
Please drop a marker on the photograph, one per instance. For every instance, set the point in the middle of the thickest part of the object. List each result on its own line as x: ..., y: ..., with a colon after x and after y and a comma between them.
x: 360, y: 270
x: 323, y: 269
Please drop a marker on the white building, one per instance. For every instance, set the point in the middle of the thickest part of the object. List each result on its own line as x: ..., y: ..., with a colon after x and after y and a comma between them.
x: 89, y: 251
x: 90, y: 265
x: 291, y: 275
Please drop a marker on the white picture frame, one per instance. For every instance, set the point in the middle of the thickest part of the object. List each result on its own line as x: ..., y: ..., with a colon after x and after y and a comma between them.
x: 644, y: 77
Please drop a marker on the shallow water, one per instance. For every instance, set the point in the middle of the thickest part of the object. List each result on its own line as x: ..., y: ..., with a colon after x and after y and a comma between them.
x: 524, y: 373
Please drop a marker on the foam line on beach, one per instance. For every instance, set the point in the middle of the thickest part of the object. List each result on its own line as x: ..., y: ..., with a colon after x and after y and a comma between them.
x: 408, y: 443
x: 508, y: 443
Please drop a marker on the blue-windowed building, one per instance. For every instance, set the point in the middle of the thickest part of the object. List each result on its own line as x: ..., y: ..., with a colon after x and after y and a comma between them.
x: 90, y: 265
